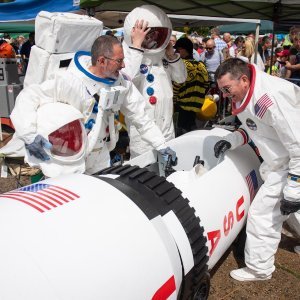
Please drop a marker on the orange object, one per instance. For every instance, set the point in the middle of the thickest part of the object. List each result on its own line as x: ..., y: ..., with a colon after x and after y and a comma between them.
x: 7, y: 122
x: 7, y: 50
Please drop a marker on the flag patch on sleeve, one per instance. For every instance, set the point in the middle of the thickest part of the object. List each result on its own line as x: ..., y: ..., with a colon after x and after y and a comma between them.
x: 252, y: 184
x: 262, y: 105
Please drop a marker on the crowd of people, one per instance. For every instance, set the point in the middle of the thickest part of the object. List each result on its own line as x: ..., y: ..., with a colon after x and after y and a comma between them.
x: 160, y: 73
x: 19, y: 48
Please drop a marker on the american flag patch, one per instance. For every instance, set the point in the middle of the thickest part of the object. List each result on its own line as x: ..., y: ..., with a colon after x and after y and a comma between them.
x: 252, y: 184
x: 42, y: 197
x: 262, y: 105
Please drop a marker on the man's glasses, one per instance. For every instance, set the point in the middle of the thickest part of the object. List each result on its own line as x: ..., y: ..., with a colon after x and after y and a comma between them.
x: 119, y: 61
x: 226, y: 89
x: 209, y: 48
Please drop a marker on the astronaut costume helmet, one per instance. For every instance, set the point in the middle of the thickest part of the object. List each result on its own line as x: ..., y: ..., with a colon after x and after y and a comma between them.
x: 158, y: 37
x: 66, y: 132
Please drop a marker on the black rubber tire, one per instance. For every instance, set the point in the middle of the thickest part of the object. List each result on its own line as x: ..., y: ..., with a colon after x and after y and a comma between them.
x: 165, y: 197
x: 7, y: 129
x: 203, y: 289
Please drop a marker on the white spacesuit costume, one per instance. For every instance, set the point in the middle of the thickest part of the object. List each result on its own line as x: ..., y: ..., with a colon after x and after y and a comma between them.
x: 98, y: 100
x: 151, y: 72
x: 270, y: 115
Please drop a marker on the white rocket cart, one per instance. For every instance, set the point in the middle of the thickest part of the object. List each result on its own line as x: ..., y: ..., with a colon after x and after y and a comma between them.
x: 128, y: 233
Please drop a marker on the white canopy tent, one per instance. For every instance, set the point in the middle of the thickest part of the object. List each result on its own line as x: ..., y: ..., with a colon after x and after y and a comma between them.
x: 180, y: 20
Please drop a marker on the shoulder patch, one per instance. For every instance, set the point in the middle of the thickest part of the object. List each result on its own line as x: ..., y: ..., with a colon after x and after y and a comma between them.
x: 262, y: 105
x: 165, y: 63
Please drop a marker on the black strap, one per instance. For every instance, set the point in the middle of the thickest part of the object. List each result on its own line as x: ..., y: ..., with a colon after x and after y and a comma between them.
x: 96, y: 97
x: 64, y: 63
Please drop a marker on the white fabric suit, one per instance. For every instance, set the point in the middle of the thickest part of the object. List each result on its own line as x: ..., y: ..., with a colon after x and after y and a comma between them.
x: 141, y: 62
x: 75, y: 88
x: 270, y: 115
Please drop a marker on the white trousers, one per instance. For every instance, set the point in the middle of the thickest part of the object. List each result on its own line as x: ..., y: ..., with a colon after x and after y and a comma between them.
x: 264, y: 224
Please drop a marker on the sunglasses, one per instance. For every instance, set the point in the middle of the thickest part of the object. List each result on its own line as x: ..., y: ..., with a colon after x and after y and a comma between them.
x: 209, y: 48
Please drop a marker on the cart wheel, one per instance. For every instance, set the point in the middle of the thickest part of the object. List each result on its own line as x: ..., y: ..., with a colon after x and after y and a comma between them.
x: 7, y: 129
x: 203, y: 289
x: 7, y: 133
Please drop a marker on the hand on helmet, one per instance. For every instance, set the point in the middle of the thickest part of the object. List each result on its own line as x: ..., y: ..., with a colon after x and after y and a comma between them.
x: 139, y: 32
x: 287, y: 207
x: 36, y: 148
x: 221, y: 147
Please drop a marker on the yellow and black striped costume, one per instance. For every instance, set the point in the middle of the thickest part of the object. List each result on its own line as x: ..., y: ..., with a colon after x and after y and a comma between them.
x: 190, y: 95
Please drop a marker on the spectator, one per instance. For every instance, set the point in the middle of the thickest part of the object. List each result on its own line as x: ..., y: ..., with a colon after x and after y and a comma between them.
x: 295, y: 68
x: 219, y: 43
x: 248, y: 53
x: 25, y: 50
x: 227, y: 39
x: 6, y: 49
x: 264, y: 49
x: 212, y: 58
x: 189, y: 96
x: 15, y: 45
x: 173, y: 39
x: 204, y: 41
x: 26, y: 47
x: 225, y: 52
x: 20, y: 41
x: 109, y: 32
x: 275, y: 69
x: 251, y: 35
x: 282, y: 58
x: 289, y: 38
x: 236, y: 46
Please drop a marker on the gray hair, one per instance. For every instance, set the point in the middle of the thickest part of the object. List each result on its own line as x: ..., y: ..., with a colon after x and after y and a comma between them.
x: 215, y: 31
x: 234, y: 66
x: 103, y: 46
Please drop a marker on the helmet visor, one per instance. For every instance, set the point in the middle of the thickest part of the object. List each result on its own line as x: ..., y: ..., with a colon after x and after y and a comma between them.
x: 155, y: 38
x: 67, y: 140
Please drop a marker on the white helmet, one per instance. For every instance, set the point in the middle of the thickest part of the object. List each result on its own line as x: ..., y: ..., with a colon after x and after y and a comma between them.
x: 158, y: 37
x: 61, y: 124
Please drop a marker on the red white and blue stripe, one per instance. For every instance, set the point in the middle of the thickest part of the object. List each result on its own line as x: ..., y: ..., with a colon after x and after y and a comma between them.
x: 262, y: 106
x: 252, y: 184
x: 42, y: 197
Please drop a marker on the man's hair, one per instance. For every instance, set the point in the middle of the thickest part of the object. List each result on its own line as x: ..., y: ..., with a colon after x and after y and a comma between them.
x: 297, y: 36
x: 186, y: 44
x: 294, y: 29
x: 265, y: 40
x: 103, y: 46
x: 211, y: 41
x: 226, y: 34
x: 234, y: 66
x: 248, y: 48
x: 238, y: 39
x: 215, y: 31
